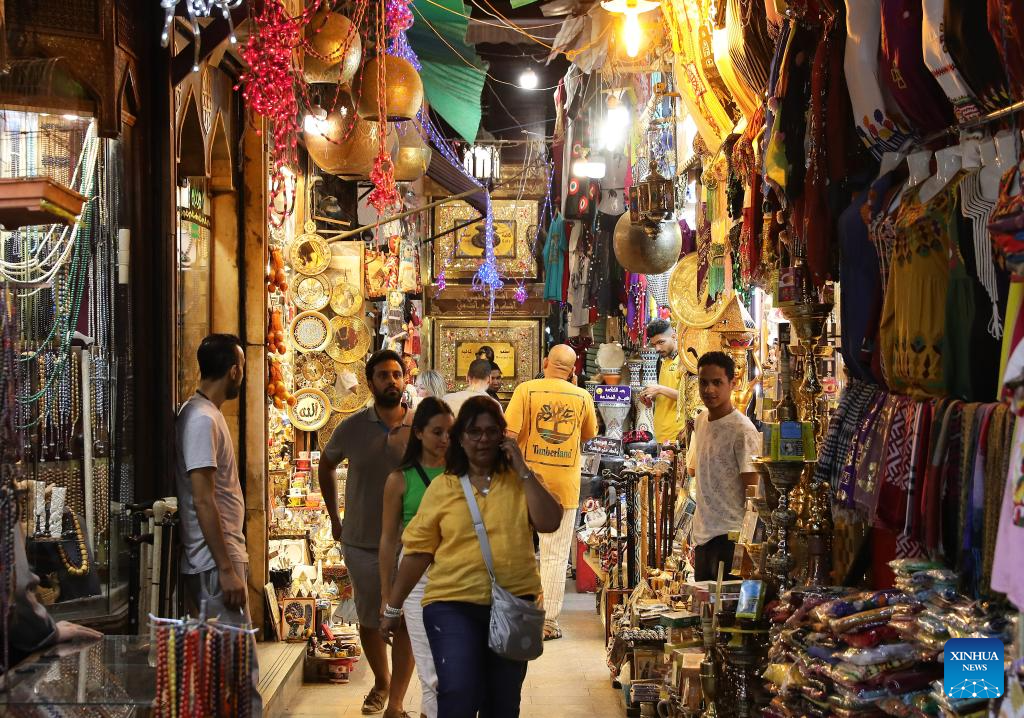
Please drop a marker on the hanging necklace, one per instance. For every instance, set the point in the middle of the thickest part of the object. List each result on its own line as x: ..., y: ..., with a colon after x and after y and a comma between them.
x: 200, y: 393
x: 487, y: 489
x: 82, y: 568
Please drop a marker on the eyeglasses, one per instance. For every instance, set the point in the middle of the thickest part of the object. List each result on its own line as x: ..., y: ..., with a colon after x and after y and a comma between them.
x: 476, y: 434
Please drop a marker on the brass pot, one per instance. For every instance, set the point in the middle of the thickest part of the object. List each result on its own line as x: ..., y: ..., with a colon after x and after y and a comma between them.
x: 326, y: 34
x: 647, y: 247
x: 403, y: 90
x: 411, y: 155
x: 345, y: 153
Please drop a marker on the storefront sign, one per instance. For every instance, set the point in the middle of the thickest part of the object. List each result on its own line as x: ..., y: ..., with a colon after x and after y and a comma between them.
x: 603, y: 445
x: 612, y: 394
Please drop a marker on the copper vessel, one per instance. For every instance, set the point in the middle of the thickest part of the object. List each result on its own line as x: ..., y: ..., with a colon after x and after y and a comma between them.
x: 330, y: 61
x: 411, y: 155
x: 403, y: 90
x: 647, y: 247
x: 347, y: 145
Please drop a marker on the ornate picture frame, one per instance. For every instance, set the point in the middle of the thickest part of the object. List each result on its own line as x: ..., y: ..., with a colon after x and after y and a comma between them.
x: 520, y: 337
x: 515, y: 228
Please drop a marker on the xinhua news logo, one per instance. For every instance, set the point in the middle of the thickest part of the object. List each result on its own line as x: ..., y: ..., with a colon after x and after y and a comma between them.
x: 973, y: 668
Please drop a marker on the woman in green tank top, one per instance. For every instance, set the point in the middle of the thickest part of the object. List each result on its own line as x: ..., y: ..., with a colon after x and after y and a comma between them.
x: 422, y: 463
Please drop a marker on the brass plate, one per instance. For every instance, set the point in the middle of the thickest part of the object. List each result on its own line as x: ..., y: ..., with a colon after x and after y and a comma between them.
x: 349, y: 339
x: 311, y: 293
x: 325, y: 432
x: 689, y: 307
x: 311, y: 411
x: 314, y: 370
x: 310, y: 332
x: 346, y: 301
x: 309, y: 253
x: 347, y: 400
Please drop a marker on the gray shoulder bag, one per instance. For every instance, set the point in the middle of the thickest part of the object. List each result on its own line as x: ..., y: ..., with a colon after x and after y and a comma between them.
x: 517, y: 626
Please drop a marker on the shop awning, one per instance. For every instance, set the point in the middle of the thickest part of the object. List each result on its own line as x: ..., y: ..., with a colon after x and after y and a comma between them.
x: 452, y: 179
x: 453, y: 74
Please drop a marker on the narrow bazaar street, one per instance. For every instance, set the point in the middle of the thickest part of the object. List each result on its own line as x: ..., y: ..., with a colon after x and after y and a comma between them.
x: 570, y: 680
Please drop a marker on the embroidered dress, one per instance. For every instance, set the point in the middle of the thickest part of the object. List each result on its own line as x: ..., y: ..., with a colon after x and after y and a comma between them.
x: 913, y: 322
x: 940, y: 63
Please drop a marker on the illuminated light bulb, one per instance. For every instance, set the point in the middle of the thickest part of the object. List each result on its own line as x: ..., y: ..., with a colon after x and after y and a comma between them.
x: 528, y: 80
x: 315, y: 121
x: 632, y: 33
x: 615, y: 126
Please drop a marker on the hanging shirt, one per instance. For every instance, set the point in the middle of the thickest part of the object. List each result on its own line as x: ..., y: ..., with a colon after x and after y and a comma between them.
x: 555, y: 249
x: 667, y: 419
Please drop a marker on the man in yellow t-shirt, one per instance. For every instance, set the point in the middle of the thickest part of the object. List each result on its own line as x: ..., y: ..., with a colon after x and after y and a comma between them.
x: 550, y: 418
x: 668, y: 421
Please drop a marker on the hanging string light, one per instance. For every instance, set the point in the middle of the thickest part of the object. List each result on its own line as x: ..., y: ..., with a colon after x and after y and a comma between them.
x: 197, y: 9
x: 270, y: 93
x: 384, y: 196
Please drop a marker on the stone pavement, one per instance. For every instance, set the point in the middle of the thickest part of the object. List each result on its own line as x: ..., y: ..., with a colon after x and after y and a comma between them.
x: 569, y: 681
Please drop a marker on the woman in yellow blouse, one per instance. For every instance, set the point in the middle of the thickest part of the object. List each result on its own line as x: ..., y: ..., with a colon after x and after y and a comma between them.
x: 471, y: 678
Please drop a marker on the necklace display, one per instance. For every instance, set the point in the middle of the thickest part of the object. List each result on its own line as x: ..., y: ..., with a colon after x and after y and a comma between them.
x: 83, y: 554
x: 203, y: 668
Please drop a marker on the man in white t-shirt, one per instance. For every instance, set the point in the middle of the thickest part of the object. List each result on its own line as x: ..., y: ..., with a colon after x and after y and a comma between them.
x: 214, y: 562
x: 720, y: 456
x: 478, y: 378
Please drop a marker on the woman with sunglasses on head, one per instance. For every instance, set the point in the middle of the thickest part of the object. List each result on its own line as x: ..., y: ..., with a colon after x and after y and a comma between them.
x: 472, y: 678
x: 422, y: 463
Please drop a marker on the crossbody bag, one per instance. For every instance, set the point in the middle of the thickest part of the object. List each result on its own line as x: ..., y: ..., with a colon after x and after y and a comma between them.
x: 516, y: 630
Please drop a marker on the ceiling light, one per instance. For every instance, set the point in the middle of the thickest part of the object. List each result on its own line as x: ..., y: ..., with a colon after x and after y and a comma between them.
x: 615, y: 125
x: 528, y: 80
x: 632, y: 33
x: 590, y: 169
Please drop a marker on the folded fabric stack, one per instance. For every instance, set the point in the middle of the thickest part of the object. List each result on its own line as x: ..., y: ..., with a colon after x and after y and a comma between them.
x: 842, y: 652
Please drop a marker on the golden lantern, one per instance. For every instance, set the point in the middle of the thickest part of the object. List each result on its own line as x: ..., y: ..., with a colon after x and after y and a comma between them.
x: 647, y: 247
x: 403, y: 90
x: 344, y: 145
x: 411, y: 156
x: 330, y: 60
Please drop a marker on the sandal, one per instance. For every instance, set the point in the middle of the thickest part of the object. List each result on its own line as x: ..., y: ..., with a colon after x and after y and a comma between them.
x: 552, y: 633
x: 374, y: 702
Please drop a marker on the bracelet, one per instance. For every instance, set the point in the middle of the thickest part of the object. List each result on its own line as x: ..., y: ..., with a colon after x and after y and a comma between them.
x: 392, y: 612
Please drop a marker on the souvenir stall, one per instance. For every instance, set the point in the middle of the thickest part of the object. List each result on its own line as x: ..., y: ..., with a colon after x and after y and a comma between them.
x: 852, y: 188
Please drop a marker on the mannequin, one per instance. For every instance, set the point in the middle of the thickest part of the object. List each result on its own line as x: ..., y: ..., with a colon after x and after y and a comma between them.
x: 1002, y: 154
x: 970, y: 151
x: 938, y: 60
x: 879, y: 130
x: 613, y: 184
x: 890, y: 161
x: 920, y: 164
x: 948, y: 162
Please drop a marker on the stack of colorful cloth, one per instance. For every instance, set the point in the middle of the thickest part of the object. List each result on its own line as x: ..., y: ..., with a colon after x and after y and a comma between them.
x: 842, y: 652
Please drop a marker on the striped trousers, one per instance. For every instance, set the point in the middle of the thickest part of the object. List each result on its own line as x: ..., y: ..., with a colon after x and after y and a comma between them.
x: 554, y: 557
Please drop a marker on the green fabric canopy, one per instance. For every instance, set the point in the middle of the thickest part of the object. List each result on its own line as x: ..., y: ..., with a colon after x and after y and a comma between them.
x: 453, y: 77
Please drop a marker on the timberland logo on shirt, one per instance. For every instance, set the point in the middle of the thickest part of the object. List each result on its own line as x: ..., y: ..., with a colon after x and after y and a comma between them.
x: 556, y: 422
x: 972, y: 668
x: 552, y: 453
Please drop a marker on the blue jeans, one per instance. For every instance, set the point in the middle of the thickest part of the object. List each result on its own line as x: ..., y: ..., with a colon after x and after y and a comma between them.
x: 471, y: 678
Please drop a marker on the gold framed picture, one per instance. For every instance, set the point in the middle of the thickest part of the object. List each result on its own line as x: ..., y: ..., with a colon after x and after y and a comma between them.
x: 516, y: 344
x: 515, y: 228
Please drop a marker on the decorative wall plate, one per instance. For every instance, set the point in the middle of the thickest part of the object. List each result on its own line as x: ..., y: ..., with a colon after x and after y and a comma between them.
x: 350, y: 389
x: 311, y: 293
x: 688, y: 304
x: 349, y: 341
x: 309, y: 253
x: 325, y: 432
x: 311, y: 411
x: 310, y: 332
x: 314, y: 370
x: 346, y: 301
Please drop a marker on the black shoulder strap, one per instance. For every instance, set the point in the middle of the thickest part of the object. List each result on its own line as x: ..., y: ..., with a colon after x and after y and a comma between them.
x: 421, y: 472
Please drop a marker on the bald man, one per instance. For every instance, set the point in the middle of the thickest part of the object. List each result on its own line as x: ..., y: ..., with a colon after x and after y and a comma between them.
x: 550, y: 418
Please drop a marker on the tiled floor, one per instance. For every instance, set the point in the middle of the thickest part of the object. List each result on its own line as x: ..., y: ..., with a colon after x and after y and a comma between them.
x: 569, y: 681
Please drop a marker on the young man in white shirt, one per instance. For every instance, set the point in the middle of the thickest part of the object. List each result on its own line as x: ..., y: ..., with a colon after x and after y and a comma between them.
x: 720, y: 457
x: 478, y: 381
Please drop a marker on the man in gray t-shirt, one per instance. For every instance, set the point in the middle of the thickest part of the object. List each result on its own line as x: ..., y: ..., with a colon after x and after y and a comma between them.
x: 374, y: 441
x: 211, y: 505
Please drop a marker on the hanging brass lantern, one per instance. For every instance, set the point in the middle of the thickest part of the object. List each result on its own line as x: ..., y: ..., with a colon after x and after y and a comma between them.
x: 411, y: 155
x: 648, y: 247
x: 403, y: 90
x: 656, y: 196
x: 345, y: 152
x: 329, y: 60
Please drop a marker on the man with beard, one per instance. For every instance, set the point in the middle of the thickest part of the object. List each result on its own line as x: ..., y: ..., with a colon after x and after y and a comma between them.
x: 667, y: 419
x: 210, y: 500
x: 373, y: 440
